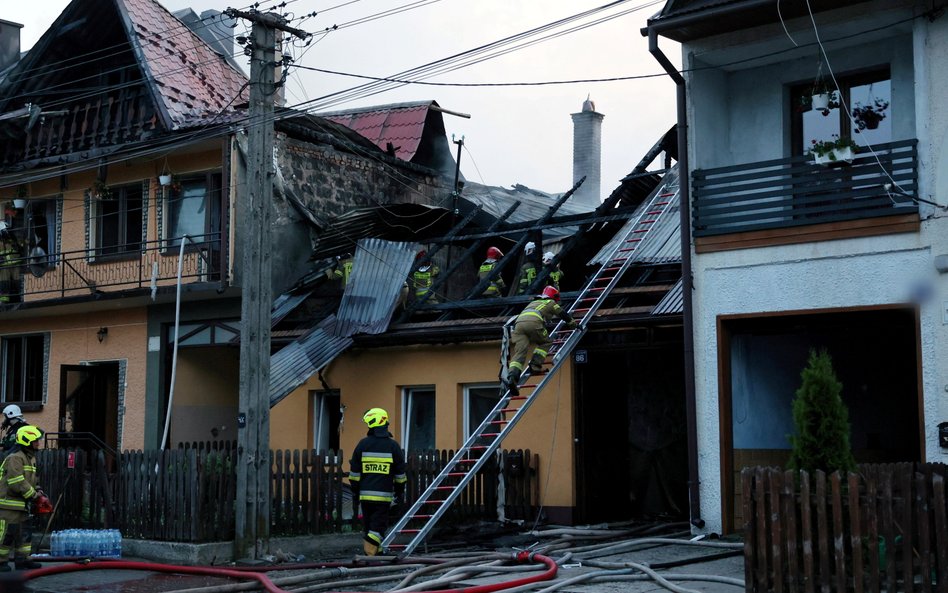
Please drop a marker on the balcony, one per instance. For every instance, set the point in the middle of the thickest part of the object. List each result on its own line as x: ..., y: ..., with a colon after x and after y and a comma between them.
x: 90, y: 273
x: 793, y: 200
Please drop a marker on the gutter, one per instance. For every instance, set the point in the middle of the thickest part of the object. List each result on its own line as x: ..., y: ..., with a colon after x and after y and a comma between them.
x: 687, y: 282
x: 659, y: 25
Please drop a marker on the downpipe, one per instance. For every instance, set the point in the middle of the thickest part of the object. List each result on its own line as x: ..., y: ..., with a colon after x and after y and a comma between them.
x: 687, y: 282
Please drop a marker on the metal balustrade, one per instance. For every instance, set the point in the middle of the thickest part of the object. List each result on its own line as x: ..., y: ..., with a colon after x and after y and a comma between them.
x: 795, y: 191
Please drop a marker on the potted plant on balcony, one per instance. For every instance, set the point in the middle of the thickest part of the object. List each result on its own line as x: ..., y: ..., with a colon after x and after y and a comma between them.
x: 100, y: 191
x: 20, y: 200
x: 836, y: 150
x: 867, y: 117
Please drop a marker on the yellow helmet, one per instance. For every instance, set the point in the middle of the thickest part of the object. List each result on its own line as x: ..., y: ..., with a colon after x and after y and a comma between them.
x: 27, y: 435
x: 375, y: 417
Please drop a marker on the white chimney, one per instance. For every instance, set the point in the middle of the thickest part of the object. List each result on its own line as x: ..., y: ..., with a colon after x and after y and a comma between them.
x: 587, y: 154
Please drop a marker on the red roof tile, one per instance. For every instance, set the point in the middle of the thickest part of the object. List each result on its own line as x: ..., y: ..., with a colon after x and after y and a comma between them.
x: 192, y: 81
x: 402, y: 124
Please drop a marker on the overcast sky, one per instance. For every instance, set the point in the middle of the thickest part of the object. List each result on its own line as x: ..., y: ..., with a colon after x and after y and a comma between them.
x: 515, y: 134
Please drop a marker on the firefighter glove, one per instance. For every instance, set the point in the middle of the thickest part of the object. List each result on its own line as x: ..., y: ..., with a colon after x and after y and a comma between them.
x: 42, y: 505
x: 571, y: 324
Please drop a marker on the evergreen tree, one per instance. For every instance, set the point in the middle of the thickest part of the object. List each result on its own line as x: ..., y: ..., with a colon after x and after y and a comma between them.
x: 821, y: 420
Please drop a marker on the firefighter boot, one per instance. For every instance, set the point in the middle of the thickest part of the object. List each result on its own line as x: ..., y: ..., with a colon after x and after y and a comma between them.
x: 26, y: 564
x: 513, y: 378
x: 536, y: 364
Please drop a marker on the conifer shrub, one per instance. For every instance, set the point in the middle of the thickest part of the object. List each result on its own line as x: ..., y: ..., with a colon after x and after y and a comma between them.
x: 821, y: 420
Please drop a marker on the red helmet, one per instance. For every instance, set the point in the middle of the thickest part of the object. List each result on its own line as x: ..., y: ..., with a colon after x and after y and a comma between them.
x: 551, y: 293
x: 494, y: 253
x: 421, y: 253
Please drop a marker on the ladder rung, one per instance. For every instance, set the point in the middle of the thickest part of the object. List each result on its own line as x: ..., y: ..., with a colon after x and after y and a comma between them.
x: 503, y: 421
x: 480, y: 447
x: 456, y: 474
x: 612, y: 269
x: 646, y: 221
x: 397, y: 546
x: 445, y: 487
x: 581, y: 310
x: 655, y: 212
x: 597, y: 289
x: 467, y: 461
x: 619, y: 259
x: 604, y: 278
x: 640, y: 231
x: 662, y: 203
x: 489, y: 434
x: 422, y: 516
x: 666, y: 195
x: 633, y: 240
x: 626, y: 249
x: 518, y: 397
x: 409, y: 531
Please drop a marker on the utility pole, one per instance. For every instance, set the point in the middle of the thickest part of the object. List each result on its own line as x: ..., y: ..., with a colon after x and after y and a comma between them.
x: 252, y: 512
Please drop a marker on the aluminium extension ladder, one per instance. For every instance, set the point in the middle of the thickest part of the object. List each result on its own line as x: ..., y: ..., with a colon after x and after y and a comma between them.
x: 447, y: 486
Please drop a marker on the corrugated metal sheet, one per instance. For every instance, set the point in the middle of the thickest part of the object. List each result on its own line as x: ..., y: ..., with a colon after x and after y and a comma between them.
x: 285, y: 303
x: 379, y: 270
x: 533, y: 205
x: 401, y: 124
x: 662, y: 244
x: 672, y: 303
x: 296, y: 363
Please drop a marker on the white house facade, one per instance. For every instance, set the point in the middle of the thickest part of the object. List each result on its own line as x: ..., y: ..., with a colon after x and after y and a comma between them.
x: 790, y: 256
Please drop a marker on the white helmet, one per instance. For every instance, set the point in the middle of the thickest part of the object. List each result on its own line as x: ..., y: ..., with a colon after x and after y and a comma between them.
x: 529, y: 248
x: 548, y: 258
x: 13, y: 411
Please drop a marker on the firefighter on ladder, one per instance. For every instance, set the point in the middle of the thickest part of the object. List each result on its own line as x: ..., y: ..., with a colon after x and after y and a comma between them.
x: 377, y: 478
x: 18, y: 492
x: 530, y: 338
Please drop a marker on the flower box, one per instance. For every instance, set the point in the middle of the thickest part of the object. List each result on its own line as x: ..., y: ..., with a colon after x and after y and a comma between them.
x: 837, y: 155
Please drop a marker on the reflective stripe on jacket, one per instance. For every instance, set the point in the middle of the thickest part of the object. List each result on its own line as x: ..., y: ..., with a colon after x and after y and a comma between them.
x: 377, y: 467
x: 496, y: 285
x: 18, y: 480
x: 543, y: 309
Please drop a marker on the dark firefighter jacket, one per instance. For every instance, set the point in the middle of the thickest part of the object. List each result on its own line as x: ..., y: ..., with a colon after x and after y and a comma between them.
x: 377, y: 468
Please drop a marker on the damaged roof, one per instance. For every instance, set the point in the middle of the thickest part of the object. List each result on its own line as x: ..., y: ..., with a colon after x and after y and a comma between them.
x: 295, y: 363
x: 401, y: 125
x: 378, y: 274
x: 191, y: 80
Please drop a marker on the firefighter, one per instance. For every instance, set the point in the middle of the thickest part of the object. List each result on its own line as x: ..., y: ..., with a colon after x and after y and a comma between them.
x: 18, y: 492
x: 556, y: 274
x: 9, y: 264
x: 528, y: 271
x: 530, y: 337
x: 496, y: 286
x: 423, y: 277
x: 377, y: 478
x: 13, y: 420
x: 343, y: 269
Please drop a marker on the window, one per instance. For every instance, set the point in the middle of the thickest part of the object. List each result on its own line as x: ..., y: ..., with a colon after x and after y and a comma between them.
x: 23, y: 368
x: 479, y: 400
x: 118, y: 221
x: 41, y: 232
x: 193, y: 208
x: 870, y: 89
x: 327, y: 414
x: 419, y: 414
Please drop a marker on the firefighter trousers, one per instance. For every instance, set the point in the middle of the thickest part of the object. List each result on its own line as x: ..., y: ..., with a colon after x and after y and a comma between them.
x: 530, y: 340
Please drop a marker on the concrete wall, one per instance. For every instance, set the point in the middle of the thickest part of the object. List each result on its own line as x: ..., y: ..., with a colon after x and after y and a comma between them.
x: 370, y: 378
x: 740, y: 116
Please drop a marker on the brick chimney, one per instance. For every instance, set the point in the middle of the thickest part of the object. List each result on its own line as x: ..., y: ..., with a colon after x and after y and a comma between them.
x: 587, y: 154
x: 9, y: 43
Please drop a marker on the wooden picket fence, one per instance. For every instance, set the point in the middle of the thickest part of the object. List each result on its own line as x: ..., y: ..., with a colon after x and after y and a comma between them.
x: 188, y: 494
x: 881, y: 528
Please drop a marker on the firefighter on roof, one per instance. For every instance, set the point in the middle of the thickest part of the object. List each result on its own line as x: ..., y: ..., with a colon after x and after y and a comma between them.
x: 530, y: 337
x: 496, y: 286
x: 377, y: 478
x: 556, y: 274
x: 423, y: 277
x: 528, y: 271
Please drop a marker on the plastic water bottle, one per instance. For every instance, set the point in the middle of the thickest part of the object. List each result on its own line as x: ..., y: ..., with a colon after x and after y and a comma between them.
x: 54, y: 544
x: 71, y: 543
x: 118, y: 543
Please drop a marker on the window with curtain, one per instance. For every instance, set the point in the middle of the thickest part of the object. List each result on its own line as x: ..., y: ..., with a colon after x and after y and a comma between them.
x: 193, y: 208
x: 24, y: 368
x: 419, y: 415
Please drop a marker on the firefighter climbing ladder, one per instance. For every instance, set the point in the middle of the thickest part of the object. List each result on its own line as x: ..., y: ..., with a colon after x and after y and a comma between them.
x: 445, y: 488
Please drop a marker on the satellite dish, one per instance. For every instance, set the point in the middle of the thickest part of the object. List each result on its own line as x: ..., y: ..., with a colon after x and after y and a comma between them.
x: 37, y: 261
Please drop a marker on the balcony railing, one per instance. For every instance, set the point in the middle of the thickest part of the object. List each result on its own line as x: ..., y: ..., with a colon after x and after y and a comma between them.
x: 793, y: 192
x: 90, y: 272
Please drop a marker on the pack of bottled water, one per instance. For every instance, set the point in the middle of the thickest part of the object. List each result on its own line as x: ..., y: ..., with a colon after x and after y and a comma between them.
x: 86, y: 543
